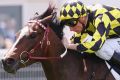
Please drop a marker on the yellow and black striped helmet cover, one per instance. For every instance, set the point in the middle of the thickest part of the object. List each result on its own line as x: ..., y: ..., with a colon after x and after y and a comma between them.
x: 72, y: 9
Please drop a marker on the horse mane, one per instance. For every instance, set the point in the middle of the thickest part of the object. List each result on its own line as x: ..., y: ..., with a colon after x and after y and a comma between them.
x: 54, y: 23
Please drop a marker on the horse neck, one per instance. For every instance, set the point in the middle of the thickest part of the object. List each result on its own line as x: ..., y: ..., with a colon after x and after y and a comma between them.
x: 66, y: 68
x: 55, y: 49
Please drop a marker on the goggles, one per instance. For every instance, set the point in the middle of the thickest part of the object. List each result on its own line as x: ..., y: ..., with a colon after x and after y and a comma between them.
x: 70, y: 22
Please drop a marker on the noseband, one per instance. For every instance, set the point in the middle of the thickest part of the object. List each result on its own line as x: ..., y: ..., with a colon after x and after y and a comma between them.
x: 40, y: 44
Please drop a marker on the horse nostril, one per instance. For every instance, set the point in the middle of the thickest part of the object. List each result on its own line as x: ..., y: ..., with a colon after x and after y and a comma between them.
x: 9, y: 61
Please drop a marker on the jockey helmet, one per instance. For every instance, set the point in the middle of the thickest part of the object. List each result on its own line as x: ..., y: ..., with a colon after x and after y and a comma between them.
x: 72, y: 9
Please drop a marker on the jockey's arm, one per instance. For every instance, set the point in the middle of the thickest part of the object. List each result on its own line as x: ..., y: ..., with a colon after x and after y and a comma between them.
x: 97, y: 40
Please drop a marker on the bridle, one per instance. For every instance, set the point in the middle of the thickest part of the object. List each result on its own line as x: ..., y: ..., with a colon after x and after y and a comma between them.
x: 40, y: 44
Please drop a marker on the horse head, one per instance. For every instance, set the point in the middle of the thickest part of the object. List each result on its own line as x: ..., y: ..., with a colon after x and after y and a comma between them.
x: 35, y: 42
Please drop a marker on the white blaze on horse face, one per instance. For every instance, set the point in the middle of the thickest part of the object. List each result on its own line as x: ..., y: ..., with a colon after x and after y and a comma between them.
x: 23, y: 32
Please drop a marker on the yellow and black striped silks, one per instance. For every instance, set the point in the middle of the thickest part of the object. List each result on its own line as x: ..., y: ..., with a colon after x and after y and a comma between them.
x: 103, y: 23
x: 72, y: 9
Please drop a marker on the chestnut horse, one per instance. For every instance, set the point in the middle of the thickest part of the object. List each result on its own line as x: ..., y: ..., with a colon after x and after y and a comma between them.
x: 40, y: 41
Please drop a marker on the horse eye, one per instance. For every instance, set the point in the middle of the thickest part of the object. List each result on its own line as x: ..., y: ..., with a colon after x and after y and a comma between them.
x: 33, y: 35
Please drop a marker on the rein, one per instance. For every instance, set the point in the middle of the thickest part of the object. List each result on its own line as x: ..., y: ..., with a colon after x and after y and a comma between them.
x: 40, y: 44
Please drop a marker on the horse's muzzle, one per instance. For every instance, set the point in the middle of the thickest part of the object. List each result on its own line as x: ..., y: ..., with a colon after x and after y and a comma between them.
x: 9, y: 65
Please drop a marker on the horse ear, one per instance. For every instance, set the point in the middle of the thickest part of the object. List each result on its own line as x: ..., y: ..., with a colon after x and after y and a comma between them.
x: 36, y: 14
x: 46, y: 19
x: 50, y: 17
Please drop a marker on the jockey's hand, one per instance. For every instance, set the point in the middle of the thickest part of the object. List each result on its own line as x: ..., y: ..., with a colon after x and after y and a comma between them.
x: 65, y: 42
x: 72, y: 46
x: 69, y: 45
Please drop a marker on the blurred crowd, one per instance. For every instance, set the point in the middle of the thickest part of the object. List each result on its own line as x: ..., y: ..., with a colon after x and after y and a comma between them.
x: 7, y: 32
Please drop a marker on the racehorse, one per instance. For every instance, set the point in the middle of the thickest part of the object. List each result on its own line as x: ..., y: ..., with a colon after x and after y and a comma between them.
x: 40, y: 41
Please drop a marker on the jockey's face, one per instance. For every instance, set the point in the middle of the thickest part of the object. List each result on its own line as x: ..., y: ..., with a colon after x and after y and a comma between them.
x: 82, y: 21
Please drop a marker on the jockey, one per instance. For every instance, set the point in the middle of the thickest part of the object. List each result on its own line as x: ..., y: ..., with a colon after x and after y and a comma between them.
x: 97, y: 29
